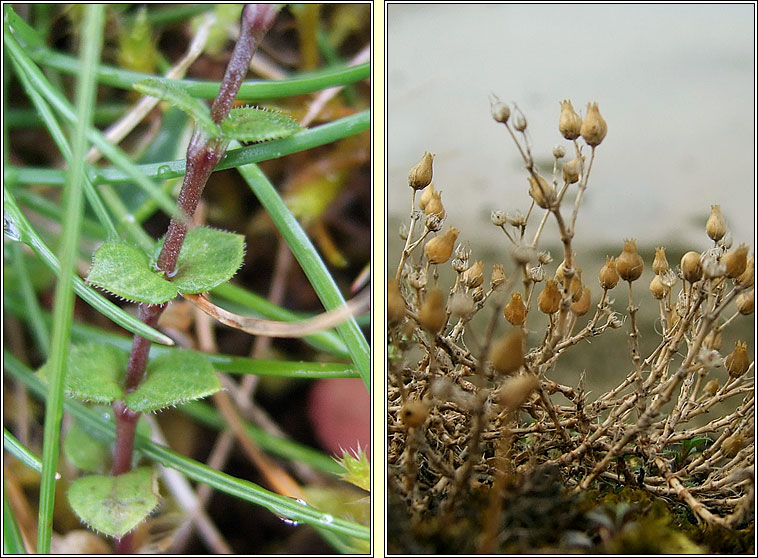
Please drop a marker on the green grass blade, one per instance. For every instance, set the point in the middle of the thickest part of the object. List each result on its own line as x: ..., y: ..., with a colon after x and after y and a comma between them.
x: 312, y: 265
x: 196, y: 471
x: 73, y: 201
x: 13, y: 543
x: 15, y: 218
x: 31, y: 304
x: 105, y: 114
x: 47, y: 208
x: 23, y: 454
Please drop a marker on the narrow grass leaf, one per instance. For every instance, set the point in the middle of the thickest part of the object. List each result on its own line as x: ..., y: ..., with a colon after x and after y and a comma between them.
x: 94, y: 20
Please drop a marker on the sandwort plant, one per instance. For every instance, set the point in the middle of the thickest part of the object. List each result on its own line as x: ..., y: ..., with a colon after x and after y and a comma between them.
x: 472, y: 411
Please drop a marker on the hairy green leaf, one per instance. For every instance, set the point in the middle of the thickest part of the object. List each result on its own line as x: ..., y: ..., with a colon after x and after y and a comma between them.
x: 257, y: 124
x: 172, y: 379
x: 94, y: 372
x: 208, y: 258
x: 115, y: 505
x: 84, y: 451
x: 125, y: 271
x: 178, y: 96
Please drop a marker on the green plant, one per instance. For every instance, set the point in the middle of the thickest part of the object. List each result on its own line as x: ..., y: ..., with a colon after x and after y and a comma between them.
x: 106, y: 369
x: 474, y: 409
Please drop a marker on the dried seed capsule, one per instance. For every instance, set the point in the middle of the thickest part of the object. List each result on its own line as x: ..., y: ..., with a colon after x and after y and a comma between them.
x: 735, y: 261
x: 737, y: 362
x: 559, y: 152
x: 435, y: 207
x: 516, y: 390
x: 575, y: 288
x: 608, y: 275
x: 711, y: 387
x: 571, y: 171
x: 499, y: 110
x: 461, y: 305
x: 516, y: 218
x: 417, y: 278
x: 713, y: 340
x: 403, y: 231
x: 582, y: 305
x: 669, y: 279
x: 459, y: 265
x: 421, y: 175
x: 629, y: 264
x: 691, y: 268
x: 660, y: 263
x: 746, y: 302
x: 733, y: 444
x: 414, y: 413
x: 542, y: 191
x: 544, y: 257
x: 594, y: 127
x: 515, y: 311
x: 432, y: 315
x: 570, y: 123
x: 498, y: 218
x: 657, y: 288
x: 395, y: 302
x: 715, y: 227
x: 523, y: 254
x: 560, y: 273
x: 536, y: 274
x: 747, y: 277
x: 520, y: 123
x: 550, y: 298
x: 712, y: 268
x: 426, y: 195
x: 507, y: 355
x: 498, y: 276
x: 439, y: 249
x: 433, y: 223
x: 474, y: 276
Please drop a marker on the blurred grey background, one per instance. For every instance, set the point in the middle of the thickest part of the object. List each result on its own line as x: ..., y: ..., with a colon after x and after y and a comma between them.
x: 675, y: 83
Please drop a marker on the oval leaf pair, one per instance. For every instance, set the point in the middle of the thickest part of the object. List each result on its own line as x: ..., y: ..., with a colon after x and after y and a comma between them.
x: 208, y: 258
x: 96, y: 373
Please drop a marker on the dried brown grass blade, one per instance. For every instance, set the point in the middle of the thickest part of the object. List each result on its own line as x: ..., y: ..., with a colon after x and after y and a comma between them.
x: 273, y: 328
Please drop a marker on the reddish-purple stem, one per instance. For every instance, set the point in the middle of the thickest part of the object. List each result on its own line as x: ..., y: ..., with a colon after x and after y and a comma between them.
x: 203, y: 154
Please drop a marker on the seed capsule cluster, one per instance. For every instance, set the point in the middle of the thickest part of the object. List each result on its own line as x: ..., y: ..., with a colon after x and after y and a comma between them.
x: 472, y: 359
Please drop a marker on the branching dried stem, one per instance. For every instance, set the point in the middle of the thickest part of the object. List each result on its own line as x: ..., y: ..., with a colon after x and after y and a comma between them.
x: 654, y: 412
